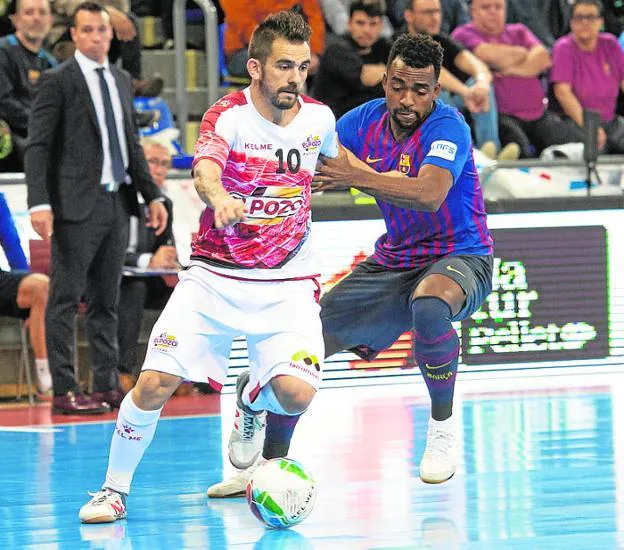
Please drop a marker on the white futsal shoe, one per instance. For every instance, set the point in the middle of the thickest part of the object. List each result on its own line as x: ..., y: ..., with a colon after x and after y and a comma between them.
x: 236, y: 486
x: 439, y: 460
x: 105, y: 506
x: 247, y: 437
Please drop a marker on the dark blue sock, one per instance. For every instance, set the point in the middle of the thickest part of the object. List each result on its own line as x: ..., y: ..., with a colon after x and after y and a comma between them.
x: 436, y: 350
x: 279, y: 432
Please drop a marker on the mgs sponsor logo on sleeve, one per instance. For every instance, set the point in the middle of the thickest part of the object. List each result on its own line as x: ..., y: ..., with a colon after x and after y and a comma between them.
x: 444, y: 149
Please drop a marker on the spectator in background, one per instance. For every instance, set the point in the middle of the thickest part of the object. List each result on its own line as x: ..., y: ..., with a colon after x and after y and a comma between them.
x: 613, y: 14
x: 242, y: 17
x: 146, y: 250
x: 588, y: 73
x: 454, y: 14
x: 465, y: 80
x: 126, y: 43
x: 336, y: 14
x: 24, y: 295
x: 6, y: 26
x: 84, y: 167
x: 22, y: 60
x: 546, y: 19
x: 517, y: 59
x: 352, y: 68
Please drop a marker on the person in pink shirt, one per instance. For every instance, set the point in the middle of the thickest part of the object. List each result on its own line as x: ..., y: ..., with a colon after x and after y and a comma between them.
x: 517, y: 59
x: 588, y: 73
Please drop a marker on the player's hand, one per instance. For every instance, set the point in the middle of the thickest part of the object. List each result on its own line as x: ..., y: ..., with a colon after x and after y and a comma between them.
x: 42, y: 222
x: 166, y: 257
x: 157, y: 217
x: 228, y: 211
x: 334, y: 173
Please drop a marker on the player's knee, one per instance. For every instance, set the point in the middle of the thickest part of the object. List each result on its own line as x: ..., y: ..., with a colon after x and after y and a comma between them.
x: 431, y: 316
x: 41, y: 289
x: 293, y: 394
x: 153, y: 389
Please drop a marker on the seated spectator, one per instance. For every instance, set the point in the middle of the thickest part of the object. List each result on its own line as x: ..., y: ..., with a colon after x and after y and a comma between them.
x: 24, y: 295
x: 336, y: 14
x: 352, y: 68
x: 126, y: 43
x: 517, y: 59
x: 546, y: 19
x: 242, y: 17
x: 454, y: 14
x: 613, y: 14
x: 465, y: 80
x: 148, y: 251
x: 22, y: 60
x: 588, y: 73
x: 6, y: 26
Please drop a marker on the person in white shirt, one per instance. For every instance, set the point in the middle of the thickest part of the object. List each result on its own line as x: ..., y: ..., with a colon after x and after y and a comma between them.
x: 84, y: 166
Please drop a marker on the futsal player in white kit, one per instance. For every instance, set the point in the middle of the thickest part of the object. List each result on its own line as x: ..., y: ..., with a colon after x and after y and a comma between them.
x: 252, y: 271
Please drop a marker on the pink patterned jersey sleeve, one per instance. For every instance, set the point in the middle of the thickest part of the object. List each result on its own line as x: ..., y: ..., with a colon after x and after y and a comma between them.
x: 215, y: 139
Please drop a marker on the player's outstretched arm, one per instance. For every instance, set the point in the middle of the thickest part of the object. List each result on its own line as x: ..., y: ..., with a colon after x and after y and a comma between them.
x: 426, y: 192
x: 228, y: 210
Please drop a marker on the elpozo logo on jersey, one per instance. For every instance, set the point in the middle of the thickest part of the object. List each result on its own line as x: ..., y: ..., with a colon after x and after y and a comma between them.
x: 165, y: 341
x: 444, y: 149
x: 311, y: 143
x: 271, y: 205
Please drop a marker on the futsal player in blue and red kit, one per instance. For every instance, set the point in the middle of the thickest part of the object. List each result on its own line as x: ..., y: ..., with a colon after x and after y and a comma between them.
x: 433, y: 266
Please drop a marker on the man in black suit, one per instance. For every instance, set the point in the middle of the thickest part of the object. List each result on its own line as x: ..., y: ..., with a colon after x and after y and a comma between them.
x: 84, y: 166
x: 146, y: 250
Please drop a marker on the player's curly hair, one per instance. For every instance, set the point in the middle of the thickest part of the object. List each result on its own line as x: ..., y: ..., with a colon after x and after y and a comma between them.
x: 417, y: 51
x: 289, y: 25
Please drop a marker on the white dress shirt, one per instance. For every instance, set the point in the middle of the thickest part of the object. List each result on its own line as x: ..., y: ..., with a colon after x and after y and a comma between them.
x: 88, y: 66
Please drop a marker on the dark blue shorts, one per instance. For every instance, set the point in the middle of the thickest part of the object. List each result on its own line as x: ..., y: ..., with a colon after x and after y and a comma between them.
x: 9, y: 284
x: 370, y: 308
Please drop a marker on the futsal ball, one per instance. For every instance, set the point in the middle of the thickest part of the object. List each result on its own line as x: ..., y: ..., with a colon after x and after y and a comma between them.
x: 281, y: 493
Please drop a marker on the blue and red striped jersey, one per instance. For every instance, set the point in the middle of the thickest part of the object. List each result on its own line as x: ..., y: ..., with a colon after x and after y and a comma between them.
x: 415, y: 238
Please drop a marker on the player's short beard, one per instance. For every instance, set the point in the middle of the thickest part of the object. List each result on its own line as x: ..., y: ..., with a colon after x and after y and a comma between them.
x: 279, y: 102
x: 417, y: 121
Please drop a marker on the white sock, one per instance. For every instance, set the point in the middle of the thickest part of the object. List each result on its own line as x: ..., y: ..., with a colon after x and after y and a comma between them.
x: 42, y: 372
x: 133, y: 433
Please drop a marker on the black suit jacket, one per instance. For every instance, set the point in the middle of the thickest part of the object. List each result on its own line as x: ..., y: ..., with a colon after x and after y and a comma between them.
x: 64, y: 157
x: 147, y: 240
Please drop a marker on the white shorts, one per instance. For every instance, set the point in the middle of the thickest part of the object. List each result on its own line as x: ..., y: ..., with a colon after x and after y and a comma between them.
x: 281, y: 320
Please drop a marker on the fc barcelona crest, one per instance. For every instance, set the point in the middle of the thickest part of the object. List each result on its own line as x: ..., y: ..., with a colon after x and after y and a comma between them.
x: 404, y: 164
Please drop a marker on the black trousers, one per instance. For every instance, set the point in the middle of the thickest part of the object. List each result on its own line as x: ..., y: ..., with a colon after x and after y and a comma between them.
x: 542, y: 132
x: 136, y: 295
x: 87, y: 258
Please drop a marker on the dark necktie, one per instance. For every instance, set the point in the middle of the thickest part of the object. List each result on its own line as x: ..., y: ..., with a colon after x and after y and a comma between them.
x: 119, y: 171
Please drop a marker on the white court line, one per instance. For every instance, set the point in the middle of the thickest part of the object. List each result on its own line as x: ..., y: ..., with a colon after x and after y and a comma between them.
x: 35, y: 429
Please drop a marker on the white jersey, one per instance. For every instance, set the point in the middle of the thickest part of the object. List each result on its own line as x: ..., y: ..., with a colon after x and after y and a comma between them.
x: 270, y: 168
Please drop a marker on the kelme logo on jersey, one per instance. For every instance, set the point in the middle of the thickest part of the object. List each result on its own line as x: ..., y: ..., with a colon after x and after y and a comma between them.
x: 444, y: 149
x: 404, y: 164
x: 270, y: 205
x: 165, y: 342
x: 311, y: 143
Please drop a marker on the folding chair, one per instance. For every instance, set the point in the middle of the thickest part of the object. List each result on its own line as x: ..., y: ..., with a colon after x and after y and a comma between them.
x: 24, y: 367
